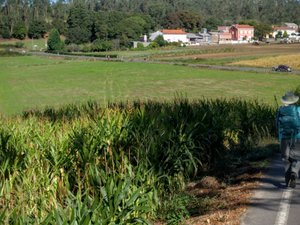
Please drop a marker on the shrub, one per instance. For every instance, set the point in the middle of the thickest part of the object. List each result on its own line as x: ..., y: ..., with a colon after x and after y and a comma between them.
x: 160, y: 41
x: 153, y: 45
x: 5, y: 32
x: 72, y: 48
x: 19, y: 31
x: 101, y: 45
x: 86, y: 48
x: 54, y: 43
x: 19, y: 44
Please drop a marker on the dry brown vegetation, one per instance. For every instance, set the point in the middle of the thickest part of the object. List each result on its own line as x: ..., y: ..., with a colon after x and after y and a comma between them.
x: 225, y: 203
x: 249, y: 50
x: 291, y: 60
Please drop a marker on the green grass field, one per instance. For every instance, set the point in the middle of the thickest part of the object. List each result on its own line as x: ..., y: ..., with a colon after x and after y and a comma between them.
x: 31, y: 82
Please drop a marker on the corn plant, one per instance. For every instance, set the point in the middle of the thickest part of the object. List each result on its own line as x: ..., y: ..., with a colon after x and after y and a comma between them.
x: 121, y: 164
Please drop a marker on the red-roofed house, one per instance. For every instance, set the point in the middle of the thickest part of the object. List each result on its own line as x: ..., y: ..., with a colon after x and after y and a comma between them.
x: 235, y: 32
x: 223, y: 28
x: 171, y: 35
x: 241, y: 32
x: 224, y: 34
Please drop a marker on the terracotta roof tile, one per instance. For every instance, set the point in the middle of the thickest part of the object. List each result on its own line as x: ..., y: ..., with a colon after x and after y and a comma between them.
x: 166, y: 31
x: 243, y: 26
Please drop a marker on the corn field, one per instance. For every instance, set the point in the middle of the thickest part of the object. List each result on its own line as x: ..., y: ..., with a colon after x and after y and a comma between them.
x: 83, y: 164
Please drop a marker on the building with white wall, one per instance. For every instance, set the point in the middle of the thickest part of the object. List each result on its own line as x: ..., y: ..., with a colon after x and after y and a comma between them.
x: 171, y: 35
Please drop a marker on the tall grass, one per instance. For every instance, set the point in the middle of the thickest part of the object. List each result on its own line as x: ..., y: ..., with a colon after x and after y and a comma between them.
x: 118, y: 165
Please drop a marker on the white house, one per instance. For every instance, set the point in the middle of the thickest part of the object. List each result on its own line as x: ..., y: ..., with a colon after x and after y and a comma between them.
x: 155, y: 35
x: 288, y: 30
x: 292, y: 25
x: 171, y: 35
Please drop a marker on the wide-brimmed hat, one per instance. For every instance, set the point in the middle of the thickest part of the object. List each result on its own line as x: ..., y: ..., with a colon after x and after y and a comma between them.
x: 289, y: 98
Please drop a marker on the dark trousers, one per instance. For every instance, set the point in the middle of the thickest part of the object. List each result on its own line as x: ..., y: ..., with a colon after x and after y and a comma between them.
x: 290, y: 150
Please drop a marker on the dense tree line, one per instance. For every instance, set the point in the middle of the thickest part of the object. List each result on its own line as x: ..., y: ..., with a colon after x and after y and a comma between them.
x: 121, y: 21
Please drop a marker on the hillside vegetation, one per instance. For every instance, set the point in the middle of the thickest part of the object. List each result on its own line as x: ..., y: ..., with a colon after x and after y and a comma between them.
x: 113, y: 25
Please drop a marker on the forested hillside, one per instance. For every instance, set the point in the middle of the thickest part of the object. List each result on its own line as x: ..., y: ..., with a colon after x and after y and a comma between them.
x: 125, y: 20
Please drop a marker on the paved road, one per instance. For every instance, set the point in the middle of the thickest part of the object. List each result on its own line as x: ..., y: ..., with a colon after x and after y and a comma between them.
x: 272, y: 203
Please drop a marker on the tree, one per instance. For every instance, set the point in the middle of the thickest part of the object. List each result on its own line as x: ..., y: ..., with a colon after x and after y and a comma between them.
x: 100, y: 26
x: 19, y: 31
x: 253, y: 23
x: 4, y: 30
x: 188, y: 20
x: 132, y: 27
x: 60, y: 14
x: 113, y: 22
x: 54, y: 42
x: 212, y: 23
x: 285, y: 34
x: 261, y: 30
x: 37, y: 29
x: 79, y: 25
x: 71, y: 17
x: 60, y: 25
x: 279, y: 34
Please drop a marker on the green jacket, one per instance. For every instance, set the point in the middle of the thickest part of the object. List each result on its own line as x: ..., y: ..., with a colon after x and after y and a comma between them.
x: 288, y: 122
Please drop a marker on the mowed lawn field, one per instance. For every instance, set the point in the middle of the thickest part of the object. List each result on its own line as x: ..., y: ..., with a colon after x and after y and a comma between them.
x: 28, y: 82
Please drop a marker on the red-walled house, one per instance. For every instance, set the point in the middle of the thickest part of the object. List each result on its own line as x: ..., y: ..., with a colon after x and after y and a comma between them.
x: 241, y: 32
x: 224, y: 33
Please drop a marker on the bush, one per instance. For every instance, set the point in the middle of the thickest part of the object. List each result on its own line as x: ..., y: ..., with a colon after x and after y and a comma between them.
x: 19, y: 44
x: 86, y: 48
x: 101, y: 45
x: 141, y: 47
x: 160, y: 41
x: 54, y: 43
x: 176, y: 44
x: 153, y: 45
x: 19, y: 31
x: 7, y: 53
x: 4, y: 32
x: 73, y: 48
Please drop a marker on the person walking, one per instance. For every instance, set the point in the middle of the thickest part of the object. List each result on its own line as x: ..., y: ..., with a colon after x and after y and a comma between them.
x: 288, y: 128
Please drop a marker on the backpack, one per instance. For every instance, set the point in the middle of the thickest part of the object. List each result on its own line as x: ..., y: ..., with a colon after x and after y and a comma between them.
x: 288, y: 121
